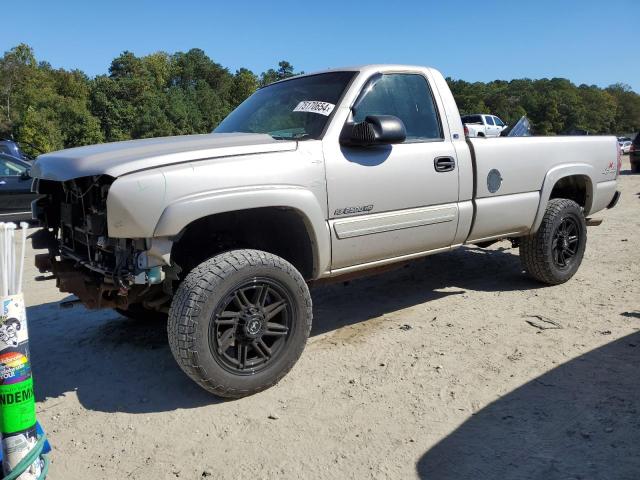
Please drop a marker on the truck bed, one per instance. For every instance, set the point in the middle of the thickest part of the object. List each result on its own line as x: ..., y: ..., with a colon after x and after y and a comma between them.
x: 526, y: 168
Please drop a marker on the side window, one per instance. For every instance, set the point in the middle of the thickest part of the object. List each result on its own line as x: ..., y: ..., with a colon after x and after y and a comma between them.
x: 498, y: 122
x: 406, y: 96
x: 488, y: 119
x: 10, y: 169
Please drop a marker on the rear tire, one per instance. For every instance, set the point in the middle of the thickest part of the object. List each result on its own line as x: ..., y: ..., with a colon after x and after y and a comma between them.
x: 553, y: 254
x: 635, y: 167
x: 239, y: 322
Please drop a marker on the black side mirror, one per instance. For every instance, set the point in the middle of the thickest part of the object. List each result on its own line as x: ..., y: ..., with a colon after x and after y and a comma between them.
x: 375, y: 130
x: 26, y: 175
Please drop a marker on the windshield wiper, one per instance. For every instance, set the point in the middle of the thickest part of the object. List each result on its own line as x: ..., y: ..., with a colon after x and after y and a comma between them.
x: 297, y: 136
x: 302, y: 136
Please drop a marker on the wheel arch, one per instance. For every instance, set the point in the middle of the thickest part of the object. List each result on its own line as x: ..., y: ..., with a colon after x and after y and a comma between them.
x: 573, y: 181
x: 287, y: 221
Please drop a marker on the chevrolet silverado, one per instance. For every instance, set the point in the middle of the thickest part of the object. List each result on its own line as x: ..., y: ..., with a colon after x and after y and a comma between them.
x: 319, y: 176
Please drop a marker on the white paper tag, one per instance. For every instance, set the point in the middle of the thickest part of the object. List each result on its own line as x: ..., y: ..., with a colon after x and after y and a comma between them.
x: 314, y: 106
x: 16, y: 447
x: 13, y: 322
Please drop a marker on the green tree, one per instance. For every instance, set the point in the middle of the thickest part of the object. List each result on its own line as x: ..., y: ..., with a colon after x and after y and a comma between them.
x: 187, y: 92
x: 627, y: 107
x: 244, y: 84
x: 284, y: 70
x: 16, y: 66
x: 40, y: 132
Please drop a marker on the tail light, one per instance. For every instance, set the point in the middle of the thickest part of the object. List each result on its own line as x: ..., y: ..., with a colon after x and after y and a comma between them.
x: 466, y: 130
x: 619, y: 158
x: 632, y: 148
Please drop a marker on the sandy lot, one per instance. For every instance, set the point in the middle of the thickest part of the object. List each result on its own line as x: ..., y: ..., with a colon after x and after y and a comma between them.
x: 457, y: 367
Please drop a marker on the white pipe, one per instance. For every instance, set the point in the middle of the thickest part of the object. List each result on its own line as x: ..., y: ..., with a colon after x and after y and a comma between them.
x: 3, y: 257
x: 12, y: 258
x: 23, y: 227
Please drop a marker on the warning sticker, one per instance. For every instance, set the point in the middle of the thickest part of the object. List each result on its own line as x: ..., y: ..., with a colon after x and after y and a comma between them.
x: 314, y: 106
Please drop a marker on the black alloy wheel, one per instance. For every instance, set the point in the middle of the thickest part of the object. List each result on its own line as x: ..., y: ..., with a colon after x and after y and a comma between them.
x: 251, y: 326
x: 554, y: 252
x: 565, y: 242
x: 239, y: 321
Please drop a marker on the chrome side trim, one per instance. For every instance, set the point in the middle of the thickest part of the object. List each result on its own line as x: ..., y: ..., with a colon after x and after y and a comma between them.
x: 396, y: 220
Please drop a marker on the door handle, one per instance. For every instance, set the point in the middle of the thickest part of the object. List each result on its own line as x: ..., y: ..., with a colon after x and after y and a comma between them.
x: 444, y: 164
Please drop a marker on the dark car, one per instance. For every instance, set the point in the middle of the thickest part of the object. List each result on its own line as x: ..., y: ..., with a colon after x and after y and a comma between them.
x: 15, y: 189
x: 634, y: 154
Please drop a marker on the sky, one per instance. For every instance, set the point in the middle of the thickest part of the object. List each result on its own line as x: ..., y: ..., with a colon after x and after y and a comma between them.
x: 588, y: 41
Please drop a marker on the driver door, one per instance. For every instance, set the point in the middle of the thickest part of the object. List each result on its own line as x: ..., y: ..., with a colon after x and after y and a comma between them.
x: 389, y: 201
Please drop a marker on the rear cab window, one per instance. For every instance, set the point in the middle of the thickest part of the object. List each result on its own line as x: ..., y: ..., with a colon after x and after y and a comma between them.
x: 472, y: 119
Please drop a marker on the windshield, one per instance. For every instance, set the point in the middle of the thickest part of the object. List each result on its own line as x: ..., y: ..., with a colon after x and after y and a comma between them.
x: 294, y: 109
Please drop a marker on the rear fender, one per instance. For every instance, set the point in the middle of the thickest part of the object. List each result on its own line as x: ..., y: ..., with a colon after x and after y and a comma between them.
x: 556, y: 173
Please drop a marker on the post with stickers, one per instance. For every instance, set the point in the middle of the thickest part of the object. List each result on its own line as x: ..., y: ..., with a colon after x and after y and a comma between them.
x: 23, y: 442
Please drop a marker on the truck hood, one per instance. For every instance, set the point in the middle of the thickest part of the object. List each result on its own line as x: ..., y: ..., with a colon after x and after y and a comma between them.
x: 120, y: 158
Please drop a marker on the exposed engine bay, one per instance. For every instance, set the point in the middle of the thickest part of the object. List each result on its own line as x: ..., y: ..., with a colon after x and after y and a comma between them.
x: 103, y: 272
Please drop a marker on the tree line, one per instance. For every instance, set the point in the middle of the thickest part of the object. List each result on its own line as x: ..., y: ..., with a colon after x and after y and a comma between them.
x: 554, y: 106
x: 161, y: 94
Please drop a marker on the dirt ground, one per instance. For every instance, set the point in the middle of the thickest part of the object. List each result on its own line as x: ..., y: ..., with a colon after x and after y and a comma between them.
x: 457, y: 367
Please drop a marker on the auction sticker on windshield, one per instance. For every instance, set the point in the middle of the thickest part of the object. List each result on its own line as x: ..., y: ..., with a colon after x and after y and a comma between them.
x: 314, y: 106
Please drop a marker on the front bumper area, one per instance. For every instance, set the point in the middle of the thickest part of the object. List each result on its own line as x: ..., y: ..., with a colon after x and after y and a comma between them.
x: 92, y: 293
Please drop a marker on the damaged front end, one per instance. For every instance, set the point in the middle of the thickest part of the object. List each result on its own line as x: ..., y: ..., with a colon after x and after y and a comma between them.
x: 103, y: 272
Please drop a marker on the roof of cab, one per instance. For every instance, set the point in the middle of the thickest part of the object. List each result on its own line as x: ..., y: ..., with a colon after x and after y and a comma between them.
x: 367, y: 69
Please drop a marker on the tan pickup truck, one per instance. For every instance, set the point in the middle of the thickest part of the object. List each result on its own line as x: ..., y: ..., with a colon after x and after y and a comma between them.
x: 313, y: 177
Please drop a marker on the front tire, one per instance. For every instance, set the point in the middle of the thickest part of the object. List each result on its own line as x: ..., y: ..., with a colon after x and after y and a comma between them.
x: 239, y: 322
x: 553, y: 254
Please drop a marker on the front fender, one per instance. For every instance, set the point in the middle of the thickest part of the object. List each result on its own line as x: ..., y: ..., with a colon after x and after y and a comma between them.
x: 186, y: 210
x: 561, y: 171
